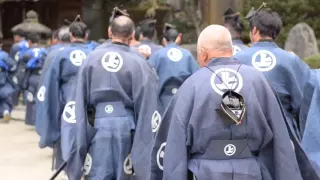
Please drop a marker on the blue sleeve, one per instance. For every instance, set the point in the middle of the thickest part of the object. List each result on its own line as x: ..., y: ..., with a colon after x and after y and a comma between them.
x: 49, y: 107
x: 194, y: 66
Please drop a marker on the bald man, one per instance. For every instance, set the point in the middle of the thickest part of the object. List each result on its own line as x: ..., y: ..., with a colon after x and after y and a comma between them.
x: 224, y: 123
x: 115, y: 102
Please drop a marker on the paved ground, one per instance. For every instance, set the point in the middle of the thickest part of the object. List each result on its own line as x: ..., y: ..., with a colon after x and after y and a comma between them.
x: 20, y: 156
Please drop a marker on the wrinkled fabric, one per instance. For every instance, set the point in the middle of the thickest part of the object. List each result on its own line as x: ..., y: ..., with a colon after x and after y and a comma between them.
x: 115, y: 104
x: 286, y: 73
x: 173, y: 65
x: 29, y: 70
x: 16, y: 52
x: 92, y: 45
x: 311, y: 140
x: 7, y: 87
x: 307, y: 98
x: 238, y: 46
x: 194, y: 120
x: 55, y: 90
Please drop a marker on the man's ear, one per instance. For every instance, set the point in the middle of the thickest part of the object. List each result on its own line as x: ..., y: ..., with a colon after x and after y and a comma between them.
x: 109, y: 33
x: 255, y: 30
x: 164, y: 42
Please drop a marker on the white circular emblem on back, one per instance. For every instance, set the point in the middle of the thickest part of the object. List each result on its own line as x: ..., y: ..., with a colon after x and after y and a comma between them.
x: 230, y: 149
x: 41, y: 93
x: 15, y: 79
x: 112, y: 61
x: 160, y: 155
x: 30, y: 97
x: 175, y: 54
x: 87, y: 164
x: 108, y: 109
x: 77, y: 57
x: 174, y: 90
x: 225, y: 79
x: 155, y: 121
x: 236, y: 49
x: 264, y: 60
x: 145, y: 48
x: 17, y: 56
x: 127, y: 165
x: 69, y: 112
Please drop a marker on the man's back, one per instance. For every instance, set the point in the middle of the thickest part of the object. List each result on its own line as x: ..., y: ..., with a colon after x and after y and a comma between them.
x: 173, y: 65
x: 120, y: 88
x: 285, y: 72
x: 218, y: 148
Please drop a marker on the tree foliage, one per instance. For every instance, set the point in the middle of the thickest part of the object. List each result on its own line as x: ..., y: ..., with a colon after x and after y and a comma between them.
x: 292, y: 12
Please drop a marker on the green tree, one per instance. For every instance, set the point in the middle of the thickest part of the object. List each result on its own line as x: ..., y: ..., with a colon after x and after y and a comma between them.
x: 291, y: 12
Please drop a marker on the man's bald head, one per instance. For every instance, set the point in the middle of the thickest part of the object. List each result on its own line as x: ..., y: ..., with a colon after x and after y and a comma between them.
x: 122, y: 27
x: 215, y: 37
x: 214, y: 41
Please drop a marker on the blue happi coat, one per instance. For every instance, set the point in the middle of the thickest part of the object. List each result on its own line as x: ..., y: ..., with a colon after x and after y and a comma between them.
x: 31, y: 64
x: 196, y: 140
x: 285, y: 72
x: 149, y: 46
x: 92, y: 45
x: 109, y: 41
x: 238, y: 46
x: 7, y: 86
x: 16, y: 52
x: 115, y: 106
x: 55, y: 90
x: 173, y: 65
x: 311, y: 138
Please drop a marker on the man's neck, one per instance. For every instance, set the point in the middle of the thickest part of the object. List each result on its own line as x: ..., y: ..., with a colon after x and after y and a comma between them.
x: 121, y: 41
x: 264, y: 39
x: 75, y: 40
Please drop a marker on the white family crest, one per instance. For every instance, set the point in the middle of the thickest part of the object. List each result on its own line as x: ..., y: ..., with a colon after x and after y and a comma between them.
x: 77, y: 57
x: 30, y: 97
x: 225, y: 79
x: 236, y: 49
x: 15, y: 80
x: 175, y: 54
x: 155, y: 121
x: 17, y: 56
x: 87, y: 164
x: 264, y: 60
x: 230, y: 149
x: 145, y: 48
x: 174, y: 91
x: 108, y: 109
x: 41, y: 93
x: 36, y: 52
x: 69, y: 112
x: 112, y: 61
x: 127, y: 165
x: 160, y: 155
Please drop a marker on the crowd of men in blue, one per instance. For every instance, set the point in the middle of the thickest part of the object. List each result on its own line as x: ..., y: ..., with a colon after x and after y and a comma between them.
x: 131, y: 109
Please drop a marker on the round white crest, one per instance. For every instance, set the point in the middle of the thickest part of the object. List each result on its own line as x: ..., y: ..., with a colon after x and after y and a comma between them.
x: 69, y: 112
x: 225, y: 79
x: 264, y: 60
x: 236, y: 49
x: 175, y: 54
x: 17, y: 56
x: 112, y: 61
x: 41, y: 93
x: 108, y: 109
x: 230, y: 149
x: 77, y: 57
x: 145, y: 48
x: 160, y: 155
x: 30, y: 97
x: 87, y: 164
x: 174, y: 90
x: 15, y: 80
x: 127, y: 165
x: 155, y: 121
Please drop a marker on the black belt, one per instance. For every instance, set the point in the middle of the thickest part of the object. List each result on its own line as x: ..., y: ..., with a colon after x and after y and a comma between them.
x: 225, y: 150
